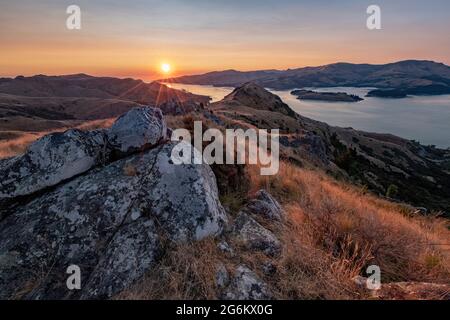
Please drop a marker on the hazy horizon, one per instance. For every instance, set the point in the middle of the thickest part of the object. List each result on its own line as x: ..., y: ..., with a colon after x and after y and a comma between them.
x: 132, y: 39
x: 161, y: 76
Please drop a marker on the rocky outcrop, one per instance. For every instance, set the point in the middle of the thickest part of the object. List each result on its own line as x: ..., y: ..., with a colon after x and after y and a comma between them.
x: 112, y: 221
x: 248, y: 234
x: 112, y: 202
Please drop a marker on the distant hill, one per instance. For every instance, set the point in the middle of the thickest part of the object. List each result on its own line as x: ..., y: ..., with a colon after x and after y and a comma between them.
x: 254, y: 96
x: 82, y: 85
x: 418, y: 77
x: 42, y: 102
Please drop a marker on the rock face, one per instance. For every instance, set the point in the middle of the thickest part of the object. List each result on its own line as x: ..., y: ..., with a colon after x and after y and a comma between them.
x: 111, y: 221
x: 246, y: 285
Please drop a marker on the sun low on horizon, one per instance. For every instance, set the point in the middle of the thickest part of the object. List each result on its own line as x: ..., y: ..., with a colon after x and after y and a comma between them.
x: 165, y: 68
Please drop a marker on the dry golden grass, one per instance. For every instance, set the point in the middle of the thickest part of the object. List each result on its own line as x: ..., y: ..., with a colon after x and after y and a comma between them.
x: 187, y: 272
x: 334, y: 231
x: 20, y: 140
x: 17, y: 145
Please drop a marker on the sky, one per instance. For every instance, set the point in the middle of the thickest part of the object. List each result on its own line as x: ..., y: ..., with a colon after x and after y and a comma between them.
x: 133, y: 38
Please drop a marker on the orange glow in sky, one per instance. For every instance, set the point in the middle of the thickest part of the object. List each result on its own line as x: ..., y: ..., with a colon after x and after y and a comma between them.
x: 147, y: 40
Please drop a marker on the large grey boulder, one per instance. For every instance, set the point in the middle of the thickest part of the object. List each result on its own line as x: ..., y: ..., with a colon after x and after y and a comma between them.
x: 138, y: 129
x: 185, y: 198
x: 50, y: 160
x: 246, y: 285
x: 74, y: 224
x: 59, y: 156
x: 266, y: 206
x: 110, y: 222
x: 254, y: 236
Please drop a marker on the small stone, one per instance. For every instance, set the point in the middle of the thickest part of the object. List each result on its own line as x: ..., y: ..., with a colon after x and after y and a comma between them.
x: 255, y: 236
x: 222, y: 277
x: 265, y: 205
x: 269, y: 268
x: 225, y: 248
x: 246, y: 285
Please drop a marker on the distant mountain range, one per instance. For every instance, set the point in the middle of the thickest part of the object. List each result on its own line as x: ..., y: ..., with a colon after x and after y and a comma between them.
x: 49, y: 102
x: 411, y: 76
x: 83, y: 85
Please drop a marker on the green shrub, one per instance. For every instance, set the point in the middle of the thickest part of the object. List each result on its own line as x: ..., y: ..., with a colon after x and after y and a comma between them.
x: 392, y: 191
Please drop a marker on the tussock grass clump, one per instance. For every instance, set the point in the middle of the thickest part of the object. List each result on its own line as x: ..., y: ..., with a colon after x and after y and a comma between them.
x: 187, y: 272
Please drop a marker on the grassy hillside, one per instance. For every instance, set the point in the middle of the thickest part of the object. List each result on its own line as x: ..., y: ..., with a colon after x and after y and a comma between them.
x: 331, y: 233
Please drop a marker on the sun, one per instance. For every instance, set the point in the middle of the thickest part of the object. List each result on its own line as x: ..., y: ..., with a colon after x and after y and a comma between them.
x: 165, y: 68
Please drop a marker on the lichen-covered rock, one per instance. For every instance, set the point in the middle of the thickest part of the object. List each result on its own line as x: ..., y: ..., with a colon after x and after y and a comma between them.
x: 246, y: 285
x: 184, y: 198
x: 50, y: 160
x: 60, y: 156
x: 138, y: 129
x: 269, y: 268
x: 254, y: 236
x: 71, y: 225
x: 108, y: 222
x: 119, y: 265
x: 265, y: 205
x: 222, y: 277
x: 226, y: 248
